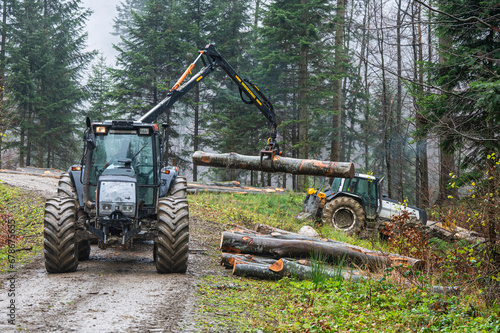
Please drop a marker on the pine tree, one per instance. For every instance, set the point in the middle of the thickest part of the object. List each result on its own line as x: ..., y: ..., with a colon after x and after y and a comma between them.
x: 230, y: 124
x: 99, y: 91
x: 150, y: 59
x: 291, y: 45
x: 469, y: 77
x: 45, y: 64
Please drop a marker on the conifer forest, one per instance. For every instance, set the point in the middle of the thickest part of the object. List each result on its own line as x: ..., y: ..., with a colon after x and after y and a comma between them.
x: 408, y: 90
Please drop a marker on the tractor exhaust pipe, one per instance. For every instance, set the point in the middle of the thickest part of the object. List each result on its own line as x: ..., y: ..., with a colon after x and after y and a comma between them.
x: 90, y: 145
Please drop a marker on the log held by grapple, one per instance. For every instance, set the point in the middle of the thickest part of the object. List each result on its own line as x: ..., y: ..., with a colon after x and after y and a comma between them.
x: 276, y: 164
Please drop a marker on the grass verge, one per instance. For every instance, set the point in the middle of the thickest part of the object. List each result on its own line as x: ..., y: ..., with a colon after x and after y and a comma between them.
x: 21, y: 223
x: 232, y: 304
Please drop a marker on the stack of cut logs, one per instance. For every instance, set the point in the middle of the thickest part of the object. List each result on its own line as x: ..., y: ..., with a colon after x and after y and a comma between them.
x: 271, y: 253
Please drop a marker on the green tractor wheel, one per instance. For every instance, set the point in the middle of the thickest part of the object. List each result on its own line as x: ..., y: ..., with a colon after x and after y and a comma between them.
x: 345, y: 214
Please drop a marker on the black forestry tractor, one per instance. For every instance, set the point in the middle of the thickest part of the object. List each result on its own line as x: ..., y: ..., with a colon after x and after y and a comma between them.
x: 123, y: 188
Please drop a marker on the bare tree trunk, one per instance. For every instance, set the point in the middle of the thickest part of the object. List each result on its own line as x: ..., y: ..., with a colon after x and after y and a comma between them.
x: 294, y: 142
x: 29, y: 136
x: 418, y: 174
x: 337, y: 84
x: 386, y: 109
x: 447, y: 160
x: 421, y: 122
x: 303, y: 112
x: 364, y: 50
x: 399, y: 111
x: 22, y: 136
x: 3, y: 112
x: 196, y: 127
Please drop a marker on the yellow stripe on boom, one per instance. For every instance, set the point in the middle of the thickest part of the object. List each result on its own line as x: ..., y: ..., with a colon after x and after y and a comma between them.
x: 247, y: 89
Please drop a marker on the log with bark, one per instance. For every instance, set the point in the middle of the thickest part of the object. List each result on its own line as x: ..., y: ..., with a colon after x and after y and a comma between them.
x: 276, y: 164
x: 256, y: 271
x: 279, y: 246
x: 197, y: 188
x: 228, y: 260
x: 302, y: 271
x: 453, y: 233
x: 272, y: 269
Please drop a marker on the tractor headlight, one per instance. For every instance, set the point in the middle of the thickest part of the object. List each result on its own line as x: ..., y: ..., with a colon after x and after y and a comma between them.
x: 106, y: 207
x: 128, y: 208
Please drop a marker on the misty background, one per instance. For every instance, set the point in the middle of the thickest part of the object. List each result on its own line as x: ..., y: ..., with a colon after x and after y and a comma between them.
x: 100, y: 27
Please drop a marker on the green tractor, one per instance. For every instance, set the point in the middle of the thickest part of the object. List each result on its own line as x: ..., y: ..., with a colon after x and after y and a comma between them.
x: 355, y: 204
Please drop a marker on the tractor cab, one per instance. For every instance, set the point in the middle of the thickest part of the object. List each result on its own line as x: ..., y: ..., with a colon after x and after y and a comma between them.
x: 365, y: 187
x: 124, y: 167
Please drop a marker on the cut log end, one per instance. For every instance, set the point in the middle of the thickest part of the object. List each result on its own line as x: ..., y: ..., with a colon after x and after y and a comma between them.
x: 277, y: 266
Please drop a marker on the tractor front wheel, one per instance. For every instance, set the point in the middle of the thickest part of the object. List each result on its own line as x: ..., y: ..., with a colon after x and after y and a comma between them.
x: 59, y: 232
x: 171, y: 248
x: 345, y: 214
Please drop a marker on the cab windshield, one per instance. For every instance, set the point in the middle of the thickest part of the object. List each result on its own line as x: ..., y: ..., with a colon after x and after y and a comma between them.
x: 120, y: 150
x: 366, y: 189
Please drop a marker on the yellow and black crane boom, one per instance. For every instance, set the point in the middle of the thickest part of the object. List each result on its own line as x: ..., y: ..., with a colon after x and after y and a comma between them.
x: 212, y: 59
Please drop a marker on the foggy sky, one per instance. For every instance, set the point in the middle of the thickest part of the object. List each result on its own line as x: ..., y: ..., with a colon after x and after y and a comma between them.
x: 100, y: 27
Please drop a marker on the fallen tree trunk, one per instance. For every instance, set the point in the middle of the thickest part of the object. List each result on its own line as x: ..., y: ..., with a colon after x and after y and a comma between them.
x: 228, y: 260
x: 280, y: 246
x: 301, y: 270
x: 276, y: 164
x: 213, y: 189
x: 255, y: 271
x: 453, y: 233
x: 196, y: 188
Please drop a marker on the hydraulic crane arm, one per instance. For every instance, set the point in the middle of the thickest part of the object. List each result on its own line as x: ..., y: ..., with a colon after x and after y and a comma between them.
x: 211, y: 60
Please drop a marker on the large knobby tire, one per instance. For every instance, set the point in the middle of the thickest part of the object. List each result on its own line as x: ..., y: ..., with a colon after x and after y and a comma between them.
x: 66, y: 188
x: 345, y: 214
x: 179, y: 188
x: 172, y: 244
x: 83, y: 250
x: 60, y: 246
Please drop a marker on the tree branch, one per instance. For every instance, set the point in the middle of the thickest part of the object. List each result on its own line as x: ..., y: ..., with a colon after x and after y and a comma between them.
x: 468, y: 20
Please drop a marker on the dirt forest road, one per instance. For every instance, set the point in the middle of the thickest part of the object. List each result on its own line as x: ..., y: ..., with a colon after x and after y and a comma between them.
x: 114, y: 291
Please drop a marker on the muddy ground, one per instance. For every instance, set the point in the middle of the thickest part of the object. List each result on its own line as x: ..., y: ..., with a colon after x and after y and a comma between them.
x: 114, y: 291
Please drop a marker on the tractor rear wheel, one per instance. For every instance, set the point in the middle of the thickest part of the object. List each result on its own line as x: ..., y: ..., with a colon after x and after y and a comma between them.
x: 172, y: 243
x: 59, y: 231
x: 83, y: 250
x: 179, y: 188
x: 65, y: 188
x: 345, y: 214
